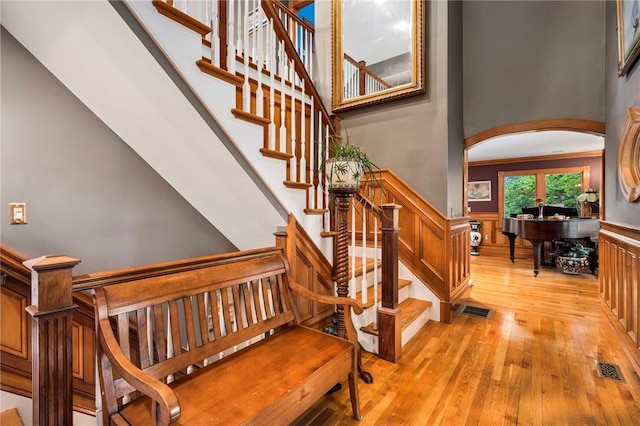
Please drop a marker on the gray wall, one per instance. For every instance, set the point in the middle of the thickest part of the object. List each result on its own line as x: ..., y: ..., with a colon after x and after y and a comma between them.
x: 88, y: 194
x: 532, y: 60
x: 621, y: 93
x: 415, y: 137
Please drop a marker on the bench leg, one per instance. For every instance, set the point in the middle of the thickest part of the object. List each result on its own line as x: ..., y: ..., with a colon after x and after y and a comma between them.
x: 353, y: 393
x: 364, y: 375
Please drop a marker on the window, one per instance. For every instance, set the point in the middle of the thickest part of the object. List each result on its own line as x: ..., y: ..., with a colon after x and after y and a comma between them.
x: 521, y: 188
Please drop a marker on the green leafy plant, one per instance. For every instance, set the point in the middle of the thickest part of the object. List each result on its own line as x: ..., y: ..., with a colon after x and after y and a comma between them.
x: 573, y: 249
x: 342, y: 151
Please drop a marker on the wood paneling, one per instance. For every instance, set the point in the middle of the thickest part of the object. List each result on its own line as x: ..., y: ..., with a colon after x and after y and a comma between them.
x: 15, y: 341
x: 619, y: 281
x: 15, y: 324
x: 494, y: 243
x: 310, y: 269
x: 434, y: 247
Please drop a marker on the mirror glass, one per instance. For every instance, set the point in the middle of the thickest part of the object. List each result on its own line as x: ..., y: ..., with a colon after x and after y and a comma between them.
x: 377, y: 51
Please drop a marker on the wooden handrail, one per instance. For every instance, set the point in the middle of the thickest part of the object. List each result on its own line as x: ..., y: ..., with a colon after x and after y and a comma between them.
x: 365, y: 70
x: 307, y: 26
x: 281, y: 33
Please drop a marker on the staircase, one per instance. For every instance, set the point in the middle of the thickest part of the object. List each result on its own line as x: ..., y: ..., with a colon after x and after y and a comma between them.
x: 415, y: 310
x: 250, y: 125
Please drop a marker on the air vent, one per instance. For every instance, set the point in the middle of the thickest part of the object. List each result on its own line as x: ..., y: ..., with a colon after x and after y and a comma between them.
x: 475, y: 311
x: 609, y: 371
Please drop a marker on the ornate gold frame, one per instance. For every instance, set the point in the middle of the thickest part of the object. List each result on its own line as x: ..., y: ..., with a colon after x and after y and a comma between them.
x: 626, y: 59
x: 629, y: 156
x: 415, y: 87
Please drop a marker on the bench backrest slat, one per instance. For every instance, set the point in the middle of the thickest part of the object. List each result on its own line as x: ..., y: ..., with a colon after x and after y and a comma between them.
x: 169, y: 324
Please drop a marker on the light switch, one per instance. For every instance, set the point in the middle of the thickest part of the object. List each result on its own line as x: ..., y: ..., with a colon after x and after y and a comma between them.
x: 18, y: 213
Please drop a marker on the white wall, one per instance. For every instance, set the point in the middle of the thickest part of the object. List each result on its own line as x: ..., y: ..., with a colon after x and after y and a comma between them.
x: 88, y: 194
x: 532, y: 60
x: 23, y: 405
x: 410, y: 136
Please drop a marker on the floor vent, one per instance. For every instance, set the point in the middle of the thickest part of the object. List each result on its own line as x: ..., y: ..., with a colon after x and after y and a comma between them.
x: 475, y: 311
x: 609, y: 371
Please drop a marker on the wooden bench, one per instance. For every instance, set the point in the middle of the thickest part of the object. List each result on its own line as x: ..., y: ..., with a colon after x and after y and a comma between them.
x: 215, y: 340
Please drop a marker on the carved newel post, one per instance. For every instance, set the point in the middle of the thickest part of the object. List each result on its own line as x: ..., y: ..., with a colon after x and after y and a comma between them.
x: 52, y: 311
x: 341, y: 251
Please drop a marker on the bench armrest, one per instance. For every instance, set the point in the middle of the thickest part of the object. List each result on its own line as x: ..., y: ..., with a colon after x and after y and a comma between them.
x: 323, y: 298
x: 167, y: 402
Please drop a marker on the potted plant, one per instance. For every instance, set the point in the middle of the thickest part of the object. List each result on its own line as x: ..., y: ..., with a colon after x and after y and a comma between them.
x: 572, y: 257
x: 347, y: 165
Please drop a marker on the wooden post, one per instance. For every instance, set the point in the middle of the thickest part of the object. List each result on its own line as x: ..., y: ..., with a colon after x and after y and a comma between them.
x: 52, y: 312
x: 341, y: 252
x: 362, y: 73
x: 390, y: 315
x: 222, y: 33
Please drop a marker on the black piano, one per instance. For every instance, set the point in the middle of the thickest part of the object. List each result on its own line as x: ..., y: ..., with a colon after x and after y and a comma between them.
x: 537, y: 231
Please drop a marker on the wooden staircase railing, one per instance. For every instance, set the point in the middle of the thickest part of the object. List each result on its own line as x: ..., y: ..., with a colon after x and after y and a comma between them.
x: 266, y: 53
x: 360, y: 80
x: 434, y: 247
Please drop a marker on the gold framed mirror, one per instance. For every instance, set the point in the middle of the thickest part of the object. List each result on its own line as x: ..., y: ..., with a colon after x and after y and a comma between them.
x: 377, y: 51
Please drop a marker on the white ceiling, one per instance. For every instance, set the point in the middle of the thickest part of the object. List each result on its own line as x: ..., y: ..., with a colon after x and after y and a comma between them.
x: 534, y: 144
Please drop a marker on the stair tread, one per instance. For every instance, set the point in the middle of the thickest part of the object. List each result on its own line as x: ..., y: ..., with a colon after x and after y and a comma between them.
x: 401, y: 284
x: 370, y: 265
x: 411, y: 310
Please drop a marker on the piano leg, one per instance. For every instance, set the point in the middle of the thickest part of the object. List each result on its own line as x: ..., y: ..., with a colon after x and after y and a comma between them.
x: 537, y: 254
x: 512, y: 243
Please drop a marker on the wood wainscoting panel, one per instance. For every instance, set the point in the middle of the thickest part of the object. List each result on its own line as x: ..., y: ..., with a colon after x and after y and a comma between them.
x: 431, y: 250
x: 408, y: 234
x: 14, y: 321
x: 15, y: 341
x: 619, y: 281
x: 310, y: 269
x: 494, y: 242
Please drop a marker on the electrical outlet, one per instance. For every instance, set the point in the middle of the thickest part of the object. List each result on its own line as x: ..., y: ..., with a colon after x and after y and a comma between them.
x: 18, y: 213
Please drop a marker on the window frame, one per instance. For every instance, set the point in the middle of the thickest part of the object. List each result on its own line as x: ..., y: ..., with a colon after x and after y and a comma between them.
x: 540, y: 175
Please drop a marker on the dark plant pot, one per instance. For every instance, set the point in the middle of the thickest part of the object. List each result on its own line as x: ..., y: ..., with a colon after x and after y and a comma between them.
x: 572, y: 265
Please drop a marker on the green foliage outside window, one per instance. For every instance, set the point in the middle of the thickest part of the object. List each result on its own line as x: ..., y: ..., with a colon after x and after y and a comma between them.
x: 519, y: 192
x: 563, y: 189
x: 560, y: 188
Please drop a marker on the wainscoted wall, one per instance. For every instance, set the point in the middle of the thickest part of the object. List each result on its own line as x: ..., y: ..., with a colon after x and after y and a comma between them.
x: 619, y: 281
x: 15, y: 340
x: 494, y: 243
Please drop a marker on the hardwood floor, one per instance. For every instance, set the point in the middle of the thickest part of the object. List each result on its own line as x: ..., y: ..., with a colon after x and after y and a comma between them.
x: 533, y: 362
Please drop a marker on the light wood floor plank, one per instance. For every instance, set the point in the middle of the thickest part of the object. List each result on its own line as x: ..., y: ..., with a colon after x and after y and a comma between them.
x: 531, y: 363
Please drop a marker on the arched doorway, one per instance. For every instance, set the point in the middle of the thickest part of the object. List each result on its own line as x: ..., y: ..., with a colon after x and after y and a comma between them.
x: 552, y: 144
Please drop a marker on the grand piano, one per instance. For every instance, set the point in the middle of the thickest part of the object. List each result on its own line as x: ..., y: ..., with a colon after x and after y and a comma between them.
x: 537, y: 231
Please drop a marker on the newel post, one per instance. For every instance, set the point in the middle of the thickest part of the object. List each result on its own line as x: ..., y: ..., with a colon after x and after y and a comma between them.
x: 390, y: 315
x: 51, y: 311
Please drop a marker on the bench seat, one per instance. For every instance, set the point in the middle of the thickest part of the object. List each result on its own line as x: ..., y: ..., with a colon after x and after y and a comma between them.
x: 216, y: 341
x: 218, y: 395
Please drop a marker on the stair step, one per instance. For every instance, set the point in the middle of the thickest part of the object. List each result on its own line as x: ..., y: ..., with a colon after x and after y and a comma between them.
x: 297, y: 185
x: 316, y: 211
x: 401, y: 284
x: 411, y: 309
x: 370, y: 265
